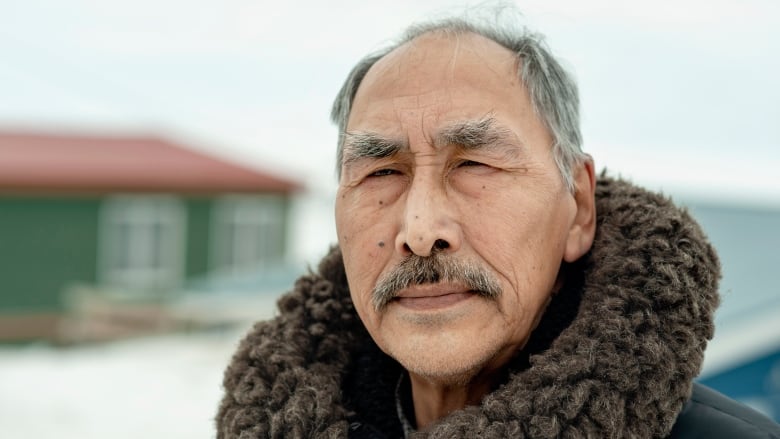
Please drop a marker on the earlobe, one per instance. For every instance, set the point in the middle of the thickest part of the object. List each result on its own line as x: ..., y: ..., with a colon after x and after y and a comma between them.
x: 583, y: 229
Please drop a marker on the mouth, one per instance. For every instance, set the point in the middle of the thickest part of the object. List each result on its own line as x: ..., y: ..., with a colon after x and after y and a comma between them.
x: 431, y: 300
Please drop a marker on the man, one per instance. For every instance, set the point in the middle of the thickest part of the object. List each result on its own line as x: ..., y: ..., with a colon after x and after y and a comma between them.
x: 486, y: 282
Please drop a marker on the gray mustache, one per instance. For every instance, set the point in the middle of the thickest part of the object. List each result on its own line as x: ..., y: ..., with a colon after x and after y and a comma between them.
x: 418, y: 270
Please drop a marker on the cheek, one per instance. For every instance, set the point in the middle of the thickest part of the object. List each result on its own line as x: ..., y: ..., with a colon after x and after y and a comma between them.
x: 494, y: 221
x: 367, y: 208
x: 518, y: 237
x: 360, y: 206
x: 365, y: 233
x: 364, y: 227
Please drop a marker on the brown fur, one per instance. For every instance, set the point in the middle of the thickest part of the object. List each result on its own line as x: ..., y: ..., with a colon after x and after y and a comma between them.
x: 614, y: 356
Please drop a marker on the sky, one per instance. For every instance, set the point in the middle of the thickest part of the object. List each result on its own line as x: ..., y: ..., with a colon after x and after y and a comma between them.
x: 679, y: 96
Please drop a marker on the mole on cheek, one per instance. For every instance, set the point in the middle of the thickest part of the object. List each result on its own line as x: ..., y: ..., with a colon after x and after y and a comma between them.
x: 381, y: 243
x: 381, y: 202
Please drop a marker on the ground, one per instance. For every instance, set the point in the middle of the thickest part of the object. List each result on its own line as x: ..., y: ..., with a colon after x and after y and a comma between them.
x: 158, y: 387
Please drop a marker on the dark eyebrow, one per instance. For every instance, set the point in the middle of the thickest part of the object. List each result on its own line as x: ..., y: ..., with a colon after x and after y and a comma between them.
x: 477, y: 134
x: 358, y: 145
x: 485, y: 133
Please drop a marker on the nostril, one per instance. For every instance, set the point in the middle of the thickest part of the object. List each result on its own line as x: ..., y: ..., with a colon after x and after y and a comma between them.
x: 407, y: 248
x: 441, y: 244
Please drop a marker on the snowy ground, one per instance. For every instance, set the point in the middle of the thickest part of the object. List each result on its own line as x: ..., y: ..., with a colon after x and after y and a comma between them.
x: 170, y: 386
x: 157, y: 387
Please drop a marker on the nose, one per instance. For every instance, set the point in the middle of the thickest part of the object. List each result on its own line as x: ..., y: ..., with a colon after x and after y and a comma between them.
x: 429, y: 220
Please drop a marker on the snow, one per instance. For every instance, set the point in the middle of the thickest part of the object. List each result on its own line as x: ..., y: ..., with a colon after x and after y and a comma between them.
x: 157, y: 387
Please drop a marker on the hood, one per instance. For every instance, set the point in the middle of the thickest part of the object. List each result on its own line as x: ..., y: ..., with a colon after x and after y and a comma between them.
x: 614, y: 355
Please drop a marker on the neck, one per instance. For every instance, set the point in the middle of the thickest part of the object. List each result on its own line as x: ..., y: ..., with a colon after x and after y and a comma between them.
x: 435, y: 400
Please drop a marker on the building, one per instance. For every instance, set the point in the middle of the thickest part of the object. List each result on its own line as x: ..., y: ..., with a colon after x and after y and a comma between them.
x: 743, y: 359
x: 138, y: 216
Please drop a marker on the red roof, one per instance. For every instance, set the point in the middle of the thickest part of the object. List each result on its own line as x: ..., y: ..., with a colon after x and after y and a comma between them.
x: 83, y: 163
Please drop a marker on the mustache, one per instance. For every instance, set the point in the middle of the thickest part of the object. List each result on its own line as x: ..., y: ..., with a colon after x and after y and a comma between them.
x: 419, y: 270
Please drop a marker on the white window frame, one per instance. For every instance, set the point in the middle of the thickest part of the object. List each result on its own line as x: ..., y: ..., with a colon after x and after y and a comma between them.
x: 152, y: 254
x: 243, y: 228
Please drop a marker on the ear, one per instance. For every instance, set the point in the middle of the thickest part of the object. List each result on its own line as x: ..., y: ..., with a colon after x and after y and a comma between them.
x: 583, y: 229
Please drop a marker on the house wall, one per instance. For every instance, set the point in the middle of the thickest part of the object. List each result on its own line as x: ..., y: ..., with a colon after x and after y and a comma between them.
x: 198, y: 231
x: 45, y: 244
x: 48, y: 244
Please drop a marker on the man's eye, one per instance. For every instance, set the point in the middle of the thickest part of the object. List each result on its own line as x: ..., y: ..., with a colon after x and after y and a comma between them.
x: 471, y: 163
x: 382, y: 173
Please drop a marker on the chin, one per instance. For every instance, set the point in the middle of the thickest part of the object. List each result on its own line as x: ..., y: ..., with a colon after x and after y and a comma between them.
x: 445, y: 362
x: 452, y: 375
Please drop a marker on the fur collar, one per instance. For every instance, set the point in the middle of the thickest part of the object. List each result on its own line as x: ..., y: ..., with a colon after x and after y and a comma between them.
x: 614, y: 356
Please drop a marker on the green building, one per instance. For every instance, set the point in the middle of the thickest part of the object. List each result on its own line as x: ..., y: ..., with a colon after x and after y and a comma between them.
x: 140, y: 215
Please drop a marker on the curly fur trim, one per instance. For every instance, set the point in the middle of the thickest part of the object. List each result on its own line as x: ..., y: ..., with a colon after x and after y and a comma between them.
x: 622, y: 366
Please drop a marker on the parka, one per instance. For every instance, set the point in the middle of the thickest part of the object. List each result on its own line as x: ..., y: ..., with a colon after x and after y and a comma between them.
x: 614, y: 356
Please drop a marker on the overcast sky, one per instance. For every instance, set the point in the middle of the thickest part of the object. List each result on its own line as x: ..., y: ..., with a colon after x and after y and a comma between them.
x: 680, y: 95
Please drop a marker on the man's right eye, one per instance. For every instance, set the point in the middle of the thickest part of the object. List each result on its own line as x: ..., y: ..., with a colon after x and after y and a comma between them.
x: 382, y: 173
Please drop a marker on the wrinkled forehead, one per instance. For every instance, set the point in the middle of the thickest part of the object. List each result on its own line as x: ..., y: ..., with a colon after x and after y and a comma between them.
x: 438, y: 58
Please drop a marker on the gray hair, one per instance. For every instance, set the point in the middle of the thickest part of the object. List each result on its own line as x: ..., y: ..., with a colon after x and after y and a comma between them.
x: 552, y: 89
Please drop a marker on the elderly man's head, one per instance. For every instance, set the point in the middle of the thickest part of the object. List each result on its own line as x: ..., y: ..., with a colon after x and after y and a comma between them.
x: 462, y: 191
x: 553, y: 92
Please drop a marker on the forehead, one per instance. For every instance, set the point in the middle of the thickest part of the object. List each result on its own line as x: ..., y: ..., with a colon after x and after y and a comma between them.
x: 452, y: 57
x: 438, y: 77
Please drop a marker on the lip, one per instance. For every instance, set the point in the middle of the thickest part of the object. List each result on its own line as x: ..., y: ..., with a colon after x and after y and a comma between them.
x: 432, y: 297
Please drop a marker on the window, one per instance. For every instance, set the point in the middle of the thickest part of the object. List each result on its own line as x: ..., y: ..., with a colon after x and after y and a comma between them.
x: 142, y: 241
x: 248, y: 233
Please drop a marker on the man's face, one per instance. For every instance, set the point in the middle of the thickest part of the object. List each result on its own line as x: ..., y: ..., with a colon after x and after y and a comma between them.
x: 446, y: 157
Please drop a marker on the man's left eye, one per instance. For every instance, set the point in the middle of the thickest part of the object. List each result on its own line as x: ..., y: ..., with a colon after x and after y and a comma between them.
x: 471, y: 163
